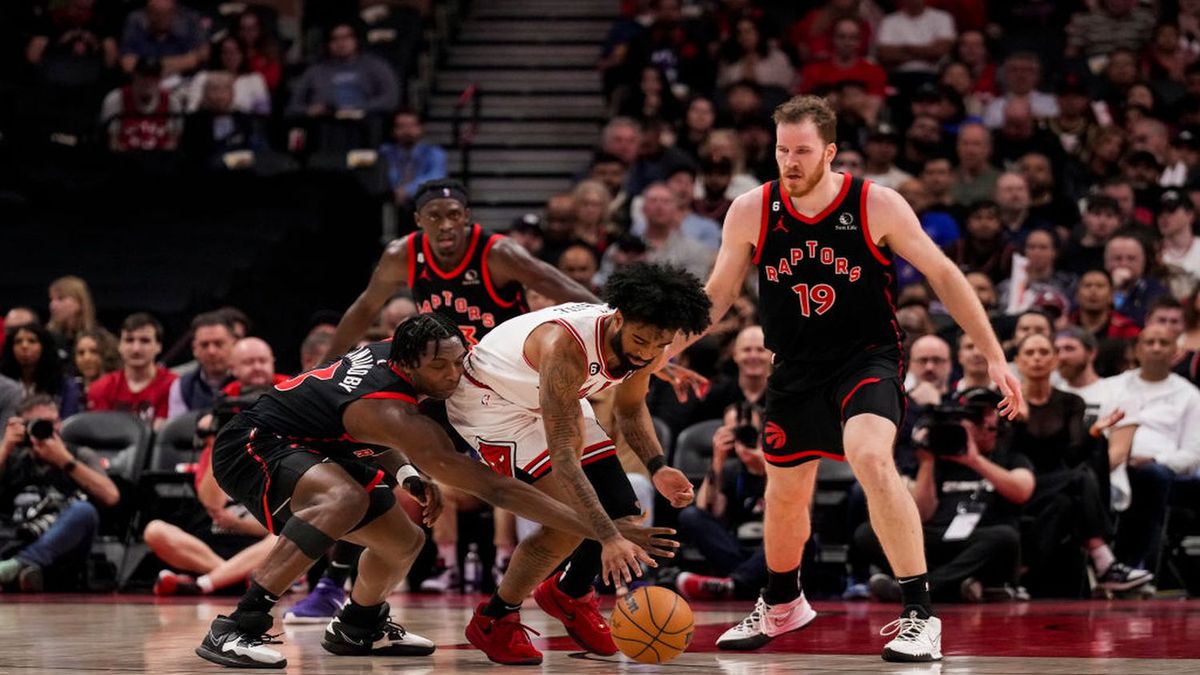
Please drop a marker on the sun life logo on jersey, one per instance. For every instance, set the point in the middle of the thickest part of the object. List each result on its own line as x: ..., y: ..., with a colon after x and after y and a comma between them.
x: 845, y: 222
x: 471, y: 278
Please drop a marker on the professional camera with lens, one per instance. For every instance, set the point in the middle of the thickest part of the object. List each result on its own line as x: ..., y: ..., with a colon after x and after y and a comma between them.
x: 947, y: 436
x: 745, y: 432
x: 38, y: 429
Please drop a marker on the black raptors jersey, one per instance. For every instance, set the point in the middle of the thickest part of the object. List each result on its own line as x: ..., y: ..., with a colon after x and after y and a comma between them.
x: 309, y: 407
x: 826, y: 291
x: 464, y: 295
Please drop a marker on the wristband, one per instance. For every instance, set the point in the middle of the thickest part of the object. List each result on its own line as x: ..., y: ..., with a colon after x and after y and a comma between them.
x: 655, y: 463
x: 405, y: 472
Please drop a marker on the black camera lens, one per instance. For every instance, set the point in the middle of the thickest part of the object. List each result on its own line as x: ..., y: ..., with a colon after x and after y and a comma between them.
x: 40, y: 429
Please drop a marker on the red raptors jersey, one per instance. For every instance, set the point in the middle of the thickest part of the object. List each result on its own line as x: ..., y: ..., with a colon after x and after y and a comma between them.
x: 465, y: 294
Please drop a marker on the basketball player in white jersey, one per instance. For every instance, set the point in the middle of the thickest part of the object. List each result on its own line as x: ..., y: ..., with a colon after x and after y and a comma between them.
x: 522, y: 405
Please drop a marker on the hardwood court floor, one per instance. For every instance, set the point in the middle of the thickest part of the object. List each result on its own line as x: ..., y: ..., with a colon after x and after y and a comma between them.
x: 56, y: 634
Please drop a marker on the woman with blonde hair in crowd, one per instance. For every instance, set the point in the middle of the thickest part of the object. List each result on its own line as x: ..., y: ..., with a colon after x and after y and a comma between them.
x: 72, y: 312
x: 95, y: 354
x: 593, y: 221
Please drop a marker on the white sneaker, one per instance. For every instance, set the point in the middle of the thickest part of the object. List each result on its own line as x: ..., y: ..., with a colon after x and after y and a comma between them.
x: 766, y: 623
x: 448, y: 581
x: 917, y: 640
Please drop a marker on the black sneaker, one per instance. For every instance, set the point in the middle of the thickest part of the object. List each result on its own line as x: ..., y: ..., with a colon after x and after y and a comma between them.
x: 386, y: 638
x: 234, y: 646
x: 1120, y: 577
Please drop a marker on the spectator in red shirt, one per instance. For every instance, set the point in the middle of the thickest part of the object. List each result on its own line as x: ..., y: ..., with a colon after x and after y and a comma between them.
x: 811, y: 34
x: 261, y: 47
x: 1114, y: 331
x: 845, y: 63
x: 141, y: 386
x: 253, y: 367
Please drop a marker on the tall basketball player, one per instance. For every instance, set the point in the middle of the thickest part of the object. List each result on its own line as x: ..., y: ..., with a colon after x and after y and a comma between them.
x: 824, y: 245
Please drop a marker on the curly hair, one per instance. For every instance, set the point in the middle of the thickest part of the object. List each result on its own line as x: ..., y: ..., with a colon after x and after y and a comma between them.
x: 411, y: 337
x: 663, y: 296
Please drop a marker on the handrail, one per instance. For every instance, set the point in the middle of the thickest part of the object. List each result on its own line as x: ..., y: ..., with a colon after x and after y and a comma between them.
x: 463, y: 132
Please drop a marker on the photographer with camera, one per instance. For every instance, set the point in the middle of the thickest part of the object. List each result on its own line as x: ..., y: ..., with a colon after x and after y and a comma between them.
x: 45, y: 488
x: 730, y: 497
x: 222, y: 543
x: 969, y: 491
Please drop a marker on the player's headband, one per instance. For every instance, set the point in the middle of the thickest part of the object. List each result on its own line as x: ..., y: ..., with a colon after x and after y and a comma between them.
x: 441, y: 192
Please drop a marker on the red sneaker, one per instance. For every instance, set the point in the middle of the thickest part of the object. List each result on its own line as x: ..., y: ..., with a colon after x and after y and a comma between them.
x: 504, y: 640
x: 581, y: 616
x: 699, y: 587
x: 170, y: 583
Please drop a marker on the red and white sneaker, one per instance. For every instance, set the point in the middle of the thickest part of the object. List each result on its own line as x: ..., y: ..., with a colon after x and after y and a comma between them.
x: 505, y: 641
x: 766, y: 623
x: 170, y: 583
x: 581, y: 616
x: 700, y: 587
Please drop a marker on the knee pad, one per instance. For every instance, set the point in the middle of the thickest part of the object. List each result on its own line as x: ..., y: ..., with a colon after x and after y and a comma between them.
x: 311, y: 541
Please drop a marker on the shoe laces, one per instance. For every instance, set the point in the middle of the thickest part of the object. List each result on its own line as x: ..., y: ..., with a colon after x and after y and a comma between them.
x: 906, y: 628
x: 753, y: 622
x: 393, y: 630
x: 264, y: 639
x: 515, y: 626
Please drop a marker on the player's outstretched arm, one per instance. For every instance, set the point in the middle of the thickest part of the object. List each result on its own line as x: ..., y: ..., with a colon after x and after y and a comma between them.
x: 509, y: 261
x: 739, y: 237
x: 399, y: 425
x: 633, y: 420
x: 893, y: 224
x: 390, y: 275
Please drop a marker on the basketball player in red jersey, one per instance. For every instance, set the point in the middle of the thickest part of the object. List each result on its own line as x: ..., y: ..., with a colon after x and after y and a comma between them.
x: 823, y: 244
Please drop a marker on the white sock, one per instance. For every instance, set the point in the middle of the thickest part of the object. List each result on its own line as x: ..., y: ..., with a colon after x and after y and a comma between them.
x: 1102, y: 558
x: 449, y: 554
x: 205, y: 583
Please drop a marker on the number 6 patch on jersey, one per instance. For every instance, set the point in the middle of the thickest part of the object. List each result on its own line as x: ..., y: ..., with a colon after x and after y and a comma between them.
x: 499, y: 456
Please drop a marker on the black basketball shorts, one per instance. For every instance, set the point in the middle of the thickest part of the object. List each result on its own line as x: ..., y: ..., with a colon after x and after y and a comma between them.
x: 808, y: 404
x: 260, y: 470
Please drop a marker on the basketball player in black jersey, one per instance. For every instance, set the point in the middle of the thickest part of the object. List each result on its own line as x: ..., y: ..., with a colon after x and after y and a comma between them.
x: 824, y: 245
x: 311, y: 460
x: 454, y: 268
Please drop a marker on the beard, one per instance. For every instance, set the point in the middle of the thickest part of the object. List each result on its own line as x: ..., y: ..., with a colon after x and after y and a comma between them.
x: 808, y: 183
x: 624, y: 363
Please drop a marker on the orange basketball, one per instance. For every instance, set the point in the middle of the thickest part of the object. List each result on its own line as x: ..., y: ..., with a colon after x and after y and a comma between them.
x: 652, y: 625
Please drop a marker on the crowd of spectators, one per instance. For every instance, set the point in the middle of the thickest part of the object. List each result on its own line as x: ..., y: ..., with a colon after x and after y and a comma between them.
x: 262, y: 87
x: 1051, y: 148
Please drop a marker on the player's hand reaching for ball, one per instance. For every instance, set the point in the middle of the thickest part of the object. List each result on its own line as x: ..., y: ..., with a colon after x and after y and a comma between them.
x: 428, y: 495
x: 622, y: 560
x: 674, y: 485
x: 652, y: 539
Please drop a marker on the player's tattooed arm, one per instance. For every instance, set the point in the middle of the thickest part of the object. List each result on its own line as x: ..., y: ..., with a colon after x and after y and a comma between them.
x: 563, y: 370
x: 390, y: 275
x: 509, y: 261
x: 633, y: 418
x: 636, y: 426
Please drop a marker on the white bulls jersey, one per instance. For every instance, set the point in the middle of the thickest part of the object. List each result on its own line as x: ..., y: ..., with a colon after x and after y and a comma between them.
x: 498, y: 362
